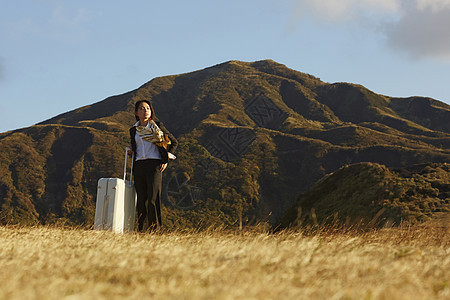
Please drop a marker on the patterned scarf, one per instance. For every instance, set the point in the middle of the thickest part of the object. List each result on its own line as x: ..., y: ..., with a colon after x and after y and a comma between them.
x: 153, y: 134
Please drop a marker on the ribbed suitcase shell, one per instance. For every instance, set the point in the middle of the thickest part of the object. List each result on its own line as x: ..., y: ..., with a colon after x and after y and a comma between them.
x: 116, y: 204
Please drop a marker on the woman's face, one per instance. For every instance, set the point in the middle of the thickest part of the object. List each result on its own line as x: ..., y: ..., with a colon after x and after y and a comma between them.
x: 143, y: 113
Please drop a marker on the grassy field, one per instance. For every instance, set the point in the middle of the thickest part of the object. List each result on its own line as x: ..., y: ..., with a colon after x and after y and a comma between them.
x: 57, y: 263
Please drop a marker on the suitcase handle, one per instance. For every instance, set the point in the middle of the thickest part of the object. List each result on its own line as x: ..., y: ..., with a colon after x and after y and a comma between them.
x: 125, y: 165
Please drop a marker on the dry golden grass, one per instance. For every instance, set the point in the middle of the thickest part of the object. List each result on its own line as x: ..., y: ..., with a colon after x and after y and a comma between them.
x: 56, y: 263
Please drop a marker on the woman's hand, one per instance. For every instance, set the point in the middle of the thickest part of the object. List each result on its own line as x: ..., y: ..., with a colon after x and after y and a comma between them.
x: 162, y: 167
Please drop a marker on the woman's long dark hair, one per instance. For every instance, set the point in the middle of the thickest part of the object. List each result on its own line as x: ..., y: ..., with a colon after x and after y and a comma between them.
x: 136, y: 108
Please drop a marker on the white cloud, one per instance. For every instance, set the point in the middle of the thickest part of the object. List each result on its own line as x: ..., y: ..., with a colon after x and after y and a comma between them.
x: 419, y: 28
x: 422, y: 30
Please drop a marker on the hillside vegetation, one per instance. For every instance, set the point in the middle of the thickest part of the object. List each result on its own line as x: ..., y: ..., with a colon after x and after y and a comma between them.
x: 371, y: 195
x: 253, y: 137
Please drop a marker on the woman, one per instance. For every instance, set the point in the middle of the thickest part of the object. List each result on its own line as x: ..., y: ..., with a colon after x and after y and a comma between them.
x: 152, y: 145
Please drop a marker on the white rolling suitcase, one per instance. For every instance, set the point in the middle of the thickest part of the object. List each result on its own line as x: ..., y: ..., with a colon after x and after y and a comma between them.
x: 116, y: 202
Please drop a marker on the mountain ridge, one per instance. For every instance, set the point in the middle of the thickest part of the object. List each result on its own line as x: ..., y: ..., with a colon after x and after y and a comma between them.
x: 259, y: 132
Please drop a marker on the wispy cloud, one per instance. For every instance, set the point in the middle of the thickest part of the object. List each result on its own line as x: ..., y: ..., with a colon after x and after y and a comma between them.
x: 343, y: 10
x: 65, y: 22
x: 62, y: 24
x: 416, y: 27
x: 434, y: 5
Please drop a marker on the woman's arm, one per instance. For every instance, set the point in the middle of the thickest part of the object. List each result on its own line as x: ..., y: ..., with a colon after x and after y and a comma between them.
x: 173, y: 141
x: 132, y: 140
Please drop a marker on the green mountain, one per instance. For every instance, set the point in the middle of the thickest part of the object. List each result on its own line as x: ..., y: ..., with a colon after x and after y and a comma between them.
x: 253, y: 137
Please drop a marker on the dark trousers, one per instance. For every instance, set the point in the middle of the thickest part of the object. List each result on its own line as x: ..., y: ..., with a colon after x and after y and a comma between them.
x: 147, y: 181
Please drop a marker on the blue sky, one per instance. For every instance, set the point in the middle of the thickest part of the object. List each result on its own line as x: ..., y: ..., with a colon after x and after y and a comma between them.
x: 59, y: 55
